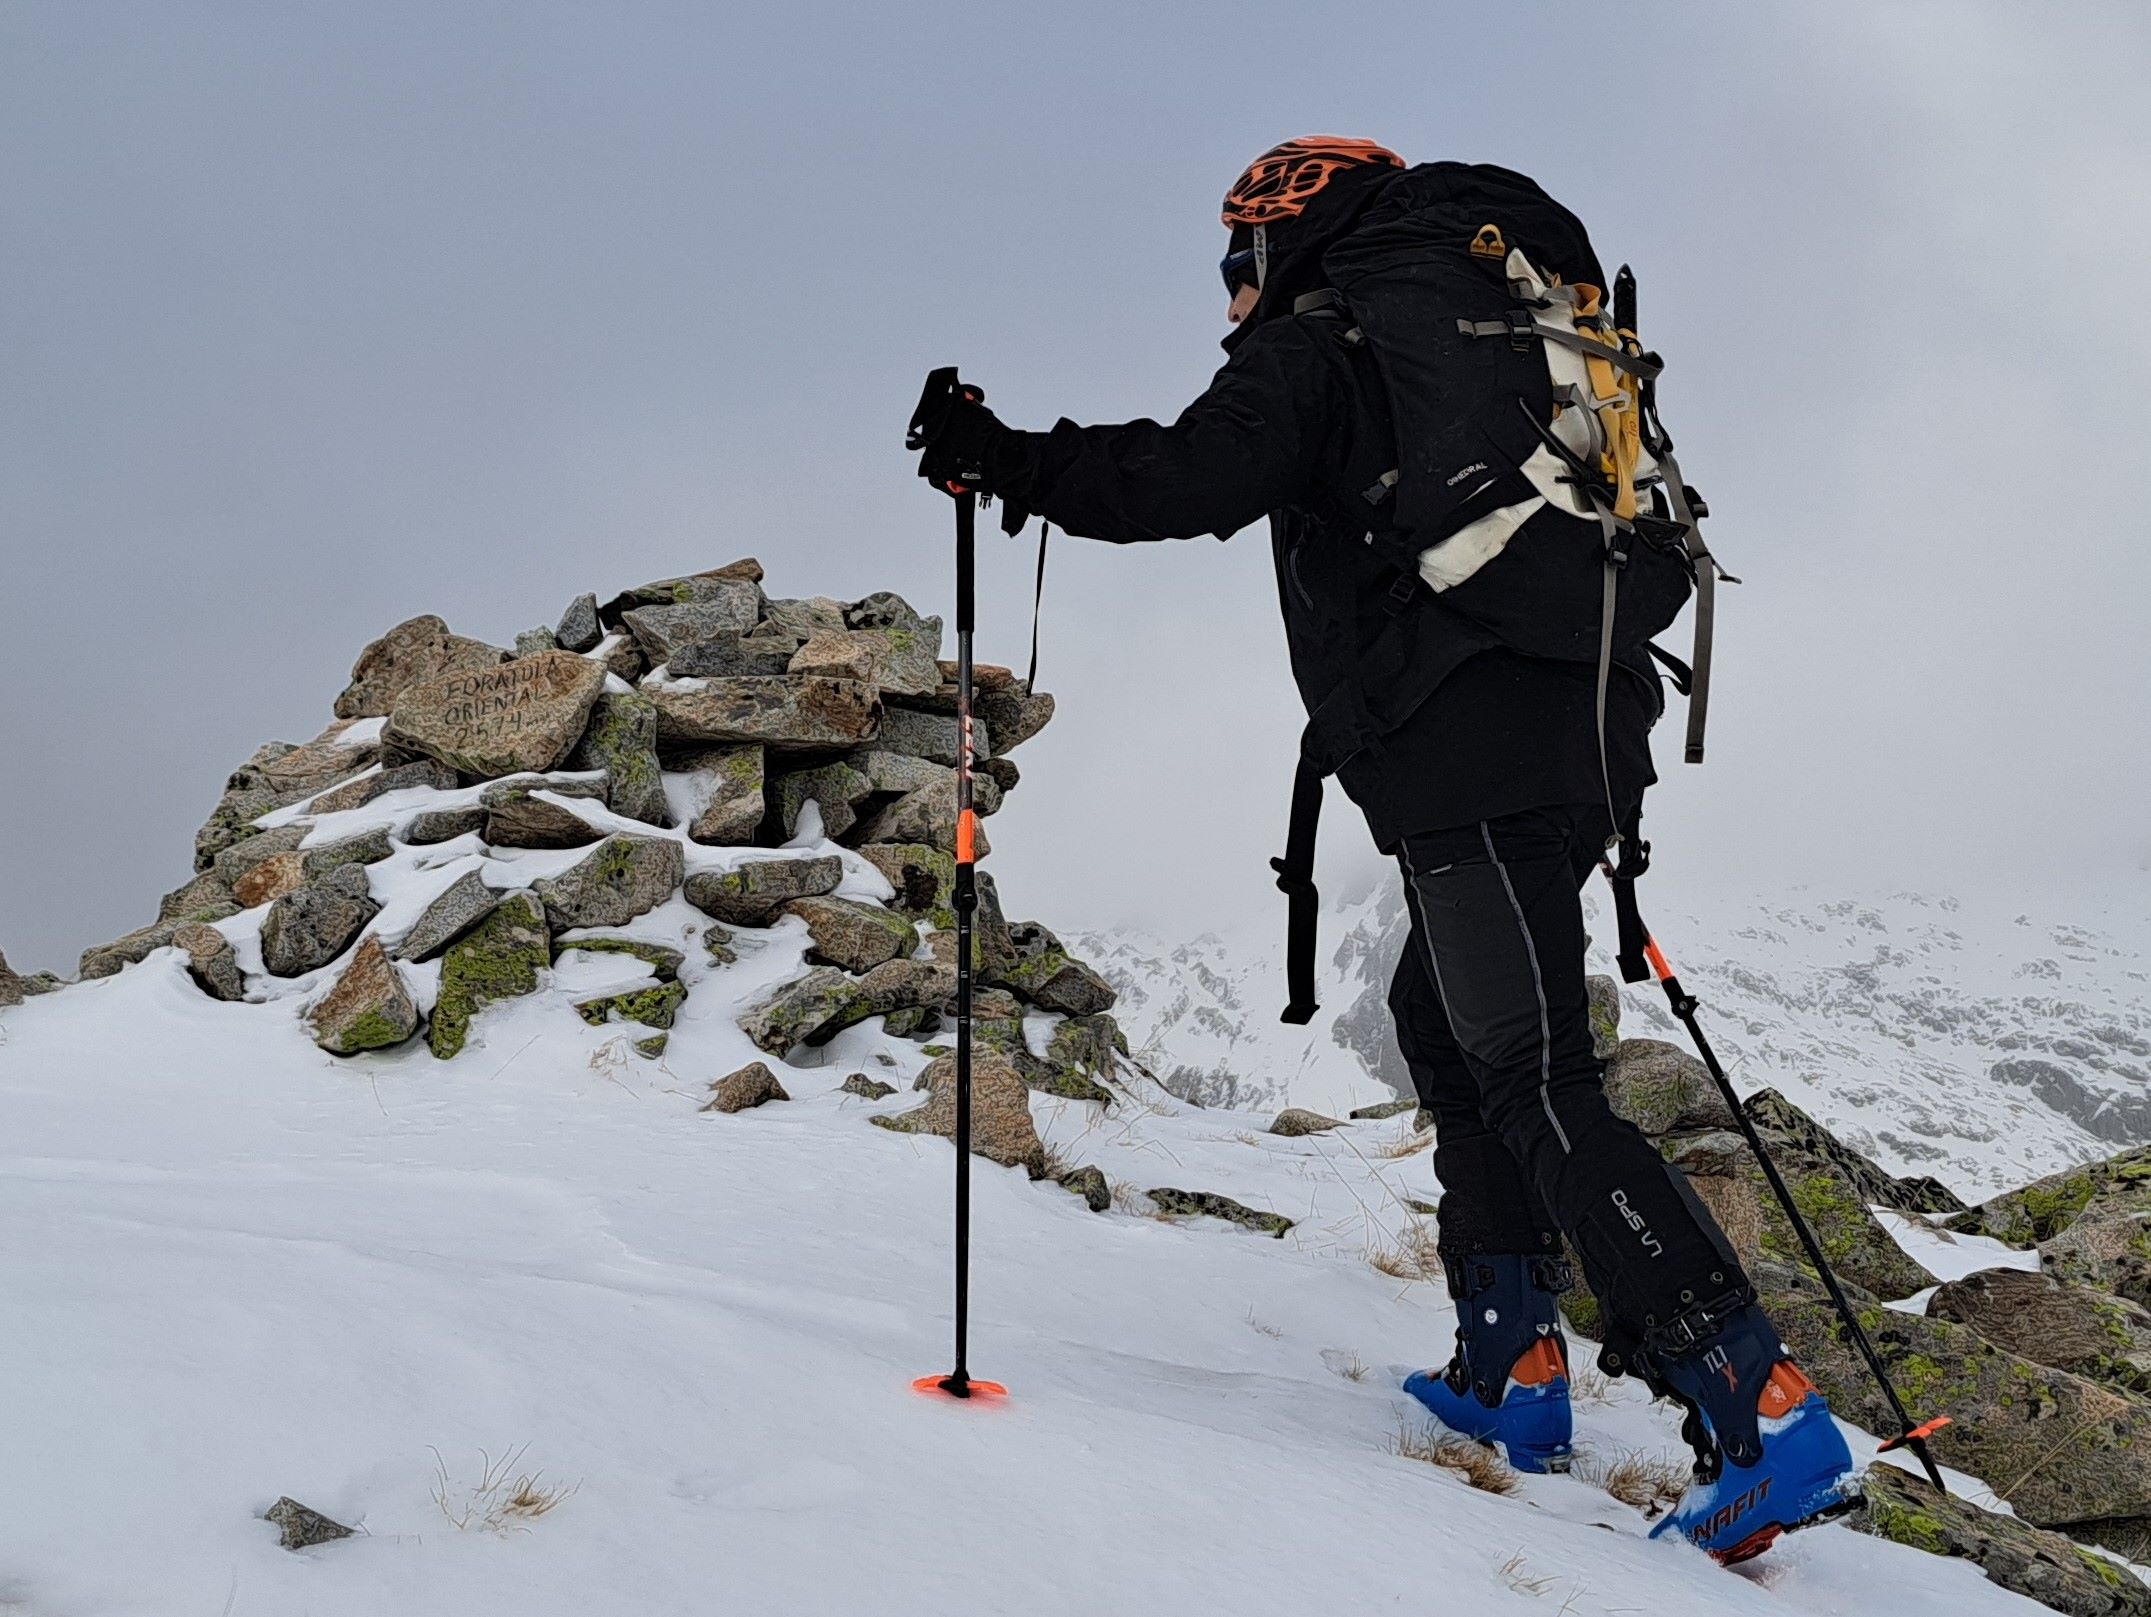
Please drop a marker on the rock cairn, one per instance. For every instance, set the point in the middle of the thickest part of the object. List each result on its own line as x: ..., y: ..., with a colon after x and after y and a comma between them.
x: 694, y: 712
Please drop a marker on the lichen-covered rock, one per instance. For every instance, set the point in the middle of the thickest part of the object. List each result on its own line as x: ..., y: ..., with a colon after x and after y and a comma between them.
x: 525, y: 812
x: 713, y: 584
x: 578, y: 629
x: 1208, y: 1204
x: 801, y: 620
x: 730, y: 607
x: 2040, y: 1565
x: 855, y: 936
x: 1660, y: 1087
x: 1852, y: 1238
x: 1387, y: 1109
x: 310, y: 926
x: 2049, y: 1321
x: 1091, y: 1185
x: 1091, y: 1047
x: 932, y: 736
x: 522, y: 717
x: 618, y: 880
x: 2062, y: 1450
x: 1001, y: 1126
x: 837, y: 789
x: 756, y: 892
x: 655, y: 1006
x: 10, y: 985
x: 417, y: 649
x: 620, y: 656
x: 653, y: 1047
x: 801, y: 711
x: 301, y: 1527
x: 753, y: 1085
x: 924, y: 878
x: 431, y: 826
x: 424, y: 775
x: 503, y: 957
x: 865, y: 1088
x: 621, y: 739
x: 914, y: 642
x: 532, y: 641
x: 368, y: 1008
x: 366, y: 848
x: 717, y: 944
x: 725, y: 656
x: 271, y: 879
x: 926, y: 816
x: 205, y: 898
x: 242, y: 856
x: 1785, y: 1127
x: 2047, y: 1207
x: 1013, y: 716
x: 660, y: 958
x: 1295, y: 1121
x: 722, y: 791
x: 1605, y: 1013
x: 860, y: 654
x: 461, y: 905
x: 210, y: 961
x: 809, y: 1010
x: 332, y: 756
x: 232, y: 821
x: 1042, y: 973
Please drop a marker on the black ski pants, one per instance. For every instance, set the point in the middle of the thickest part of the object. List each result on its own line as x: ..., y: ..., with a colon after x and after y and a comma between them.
x: 1492, y: 1015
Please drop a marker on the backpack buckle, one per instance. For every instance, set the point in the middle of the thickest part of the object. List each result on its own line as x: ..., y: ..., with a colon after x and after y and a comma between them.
x: 1523, y: 329
x: 1402, y: 592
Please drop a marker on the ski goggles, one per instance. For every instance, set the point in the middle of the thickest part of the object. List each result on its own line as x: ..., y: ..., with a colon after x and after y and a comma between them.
x: 1247, y: 267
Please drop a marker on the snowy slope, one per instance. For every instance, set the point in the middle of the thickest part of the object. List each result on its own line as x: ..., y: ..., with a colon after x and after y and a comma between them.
x: 1970, y: 1040
x: 237, y: 1268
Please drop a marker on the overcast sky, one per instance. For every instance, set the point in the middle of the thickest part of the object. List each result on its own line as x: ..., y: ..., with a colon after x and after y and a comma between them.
x: 317, y: 316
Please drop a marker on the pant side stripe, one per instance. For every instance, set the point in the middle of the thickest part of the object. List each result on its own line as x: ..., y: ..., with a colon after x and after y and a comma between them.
x: 1538, y: 986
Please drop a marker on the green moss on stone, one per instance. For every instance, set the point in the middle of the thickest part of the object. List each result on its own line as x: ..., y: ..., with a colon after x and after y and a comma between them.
x: 653, y: 1046
x: 371, y: 1031
x: 503, y: 957
x: 652, y: 1007
x: 661, y: 959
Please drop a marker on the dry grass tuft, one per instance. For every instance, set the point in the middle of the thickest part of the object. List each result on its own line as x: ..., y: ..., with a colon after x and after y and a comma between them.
x: 1405, y: 1142
x: 1587, y: 1384
x: 1651, y: 1483
x: 1058, y: 1164
x: 1516, y: 1573
x: 1410, y: 1256
x: 503, y: 1499
x: 1348, y: 1365
x: 1474, y: 1463
x: 1262, y: 1325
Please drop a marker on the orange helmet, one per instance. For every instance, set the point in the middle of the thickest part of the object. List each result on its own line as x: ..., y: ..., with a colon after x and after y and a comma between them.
x: 1283, y: 180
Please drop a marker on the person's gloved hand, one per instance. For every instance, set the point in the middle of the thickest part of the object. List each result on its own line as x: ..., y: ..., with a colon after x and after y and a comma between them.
x: 964, y: 448
x: 959, y: 445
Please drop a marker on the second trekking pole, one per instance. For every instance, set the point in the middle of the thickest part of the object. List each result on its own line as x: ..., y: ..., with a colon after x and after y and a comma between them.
x: 1910, y: 1435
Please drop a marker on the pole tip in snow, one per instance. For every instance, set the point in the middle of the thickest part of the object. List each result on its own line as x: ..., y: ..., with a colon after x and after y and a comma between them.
x: 958, y: 1386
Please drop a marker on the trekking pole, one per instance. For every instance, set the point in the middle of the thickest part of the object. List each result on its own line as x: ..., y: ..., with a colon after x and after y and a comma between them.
x: 942, y: 388
x: 1910, y: 1435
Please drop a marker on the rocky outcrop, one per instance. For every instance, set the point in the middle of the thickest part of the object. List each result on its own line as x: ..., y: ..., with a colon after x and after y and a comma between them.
x: 618, y: 881
x: 2025, y: 1560
x: 368, y: 1007
x: 2081, y: 1329
x: 755, y: 893
x: 311, y: 925
x: 521, y: 717
x: 1001, y: 1126
x: 1208, y: 1204
x: 753, y: 1085
x: 416, y: 650
x: 503, y: 957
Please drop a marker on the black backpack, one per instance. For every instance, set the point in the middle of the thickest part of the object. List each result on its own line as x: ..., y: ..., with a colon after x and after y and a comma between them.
x: 1535, y: 502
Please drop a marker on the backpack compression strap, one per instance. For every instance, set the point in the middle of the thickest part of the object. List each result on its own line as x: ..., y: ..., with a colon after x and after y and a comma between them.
x: 1295, y: 879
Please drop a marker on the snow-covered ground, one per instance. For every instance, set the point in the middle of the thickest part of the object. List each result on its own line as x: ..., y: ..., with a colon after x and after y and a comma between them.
x: 234, y: 1267
x: 1975, y: 1039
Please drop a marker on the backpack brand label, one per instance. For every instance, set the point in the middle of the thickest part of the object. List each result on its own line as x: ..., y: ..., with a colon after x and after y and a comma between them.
x: 1456, y: 478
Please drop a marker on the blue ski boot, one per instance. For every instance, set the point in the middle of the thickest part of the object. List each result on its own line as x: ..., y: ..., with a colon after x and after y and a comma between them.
x: 1508, y: 1384
x: 1769, y: 1457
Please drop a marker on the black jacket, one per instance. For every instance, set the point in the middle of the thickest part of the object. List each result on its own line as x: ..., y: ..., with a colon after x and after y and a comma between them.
x: 1295, y: 427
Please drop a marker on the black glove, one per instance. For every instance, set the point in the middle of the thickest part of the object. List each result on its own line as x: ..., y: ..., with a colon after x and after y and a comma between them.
x: 965, y: 449
x: 956, y: 434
